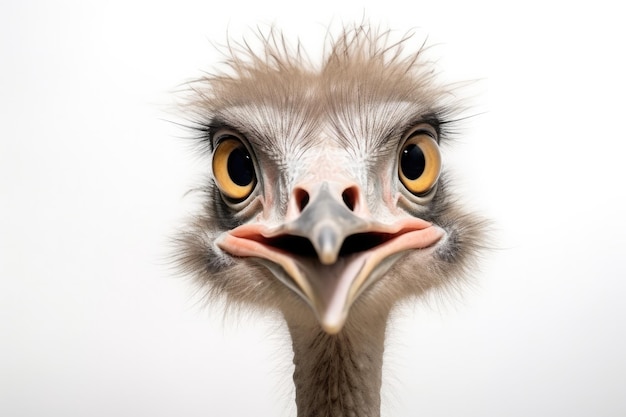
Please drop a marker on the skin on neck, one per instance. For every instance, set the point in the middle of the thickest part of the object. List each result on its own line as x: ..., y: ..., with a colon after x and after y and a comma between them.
x: 338, y: 375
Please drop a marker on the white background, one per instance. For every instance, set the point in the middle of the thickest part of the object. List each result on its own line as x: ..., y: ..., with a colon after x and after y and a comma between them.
x: 93, y: 321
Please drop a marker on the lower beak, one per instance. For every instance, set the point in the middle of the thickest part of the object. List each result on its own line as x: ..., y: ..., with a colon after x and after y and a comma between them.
x: 329, y: 255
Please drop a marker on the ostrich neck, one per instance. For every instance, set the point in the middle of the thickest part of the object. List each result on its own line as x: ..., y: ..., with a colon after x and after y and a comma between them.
x: 338, y: 375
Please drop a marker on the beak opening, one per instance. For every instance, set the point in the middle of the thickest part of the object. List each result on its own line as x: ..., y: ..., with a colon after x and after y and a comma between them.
x: 329, y: 255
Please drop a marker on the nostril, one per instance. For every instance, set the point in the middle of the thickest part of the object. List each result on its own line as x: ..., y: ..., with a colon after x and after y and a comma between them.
x: 302, y: 198
x: 350, y: 197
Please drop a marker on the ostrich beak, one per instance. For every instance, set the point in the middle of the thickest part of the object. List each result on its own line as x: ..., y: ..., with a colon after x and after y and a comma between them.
x: 329, y: 255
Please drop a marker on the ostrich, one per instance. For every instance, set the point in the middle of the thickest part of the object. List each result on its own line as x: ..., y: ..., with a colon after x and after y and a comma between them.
x: 326, y: 201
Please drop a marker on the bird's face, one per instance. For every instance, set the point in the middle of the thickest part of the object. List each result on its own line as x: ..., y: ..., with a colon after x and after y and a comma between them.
x: 328, y: 186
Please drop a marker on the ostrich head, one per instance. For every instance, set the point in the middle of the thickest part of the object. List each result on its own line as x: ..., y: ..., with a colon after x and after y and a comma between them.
x: 326, y: 198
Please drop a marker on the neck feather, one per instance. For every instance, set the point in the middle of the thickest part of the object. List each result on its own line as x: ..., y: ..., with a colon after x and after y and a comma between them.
x: 338, y: 375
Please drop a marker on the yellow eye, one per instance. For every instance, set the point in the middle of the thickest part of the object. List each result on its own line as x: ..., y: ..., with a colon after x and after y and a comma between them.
x: 419, y: 163
x: 233, y: 169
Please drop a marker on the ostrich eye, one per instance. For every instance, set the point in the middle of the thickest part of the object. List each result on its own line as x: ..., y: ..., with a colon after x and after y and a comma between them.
x: 233, y: 169
x: 419, y: 163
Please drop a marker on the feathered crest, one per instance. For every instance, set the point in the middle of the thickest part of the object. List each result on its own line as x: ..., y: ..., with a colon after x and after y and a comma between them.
x: 355, y: 46
x: 359, y: 52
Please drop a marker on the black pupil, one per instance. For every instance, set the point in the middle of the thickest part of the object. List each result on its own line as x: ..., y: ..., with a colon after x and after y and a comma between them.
x: 412, y: 162
x: 240, y: 167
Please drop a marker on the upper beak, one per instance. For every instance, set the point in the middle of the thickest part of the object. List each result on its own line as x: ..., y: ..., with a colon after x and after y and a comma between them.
x: 329, y: 254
